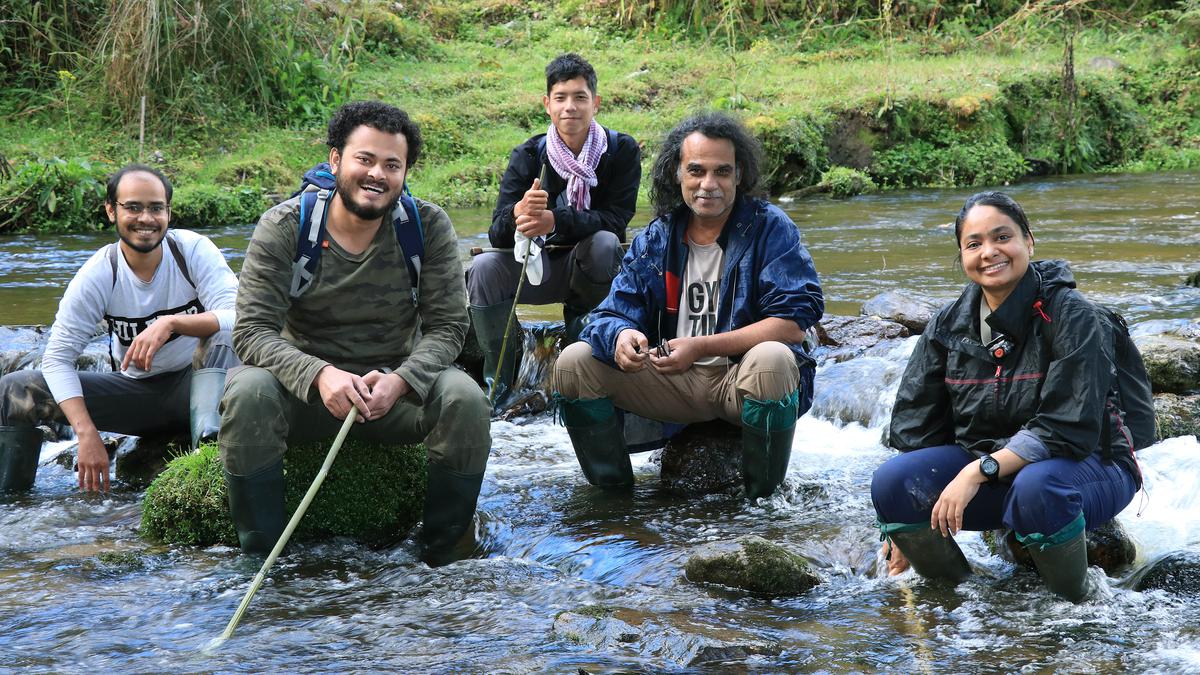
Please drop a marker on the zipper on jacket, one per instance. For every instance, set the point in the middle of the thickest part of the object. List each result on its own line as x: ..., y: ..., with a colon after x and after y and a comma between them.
x: 997, y: 387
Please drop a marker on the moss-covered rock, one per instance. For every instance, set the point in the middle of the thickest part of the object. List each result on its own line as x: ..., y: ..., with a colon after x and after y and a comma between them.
x: 842, y: 182
x: 373, y: 493
x: 1172, y: 362
x: 752, y: 564
x: 1177, y: 415
x: 1109, y: 547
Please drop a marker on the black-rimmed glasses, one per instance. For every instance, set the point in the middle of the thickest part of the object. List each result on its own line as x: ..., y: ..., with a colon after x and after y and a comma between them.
x: 136, y: 208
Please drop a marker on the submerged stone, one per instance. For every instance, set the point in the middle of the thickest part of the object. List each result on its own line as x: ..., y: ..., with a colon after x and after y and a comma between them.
x: 1172, y: 361
x: 373, y: 493
x: 752, y: 564
x: 847, y: 337
x: 1177, y: 572
x: 607, y: 629
x: 907, y: 309
x: 1177, y: 415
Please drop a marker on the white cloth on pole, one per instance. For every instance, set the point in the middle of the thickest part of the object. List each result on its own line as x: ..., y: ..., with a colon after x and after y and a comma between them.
x: 533, y: 271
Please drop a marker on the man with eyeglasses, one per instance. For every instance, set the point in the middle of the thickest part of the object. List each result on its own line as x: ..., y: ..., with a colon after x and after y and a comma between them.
x: 165, y: 306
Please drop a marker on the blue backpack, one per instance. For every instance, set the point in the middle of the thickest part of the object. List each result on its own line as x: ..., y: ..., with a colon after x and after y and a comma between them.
x: 315, y: 190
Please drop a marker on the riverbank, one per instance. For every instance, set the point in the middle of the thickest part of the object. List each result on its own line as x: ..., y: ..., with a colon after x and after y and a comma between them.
x: 917, y: 109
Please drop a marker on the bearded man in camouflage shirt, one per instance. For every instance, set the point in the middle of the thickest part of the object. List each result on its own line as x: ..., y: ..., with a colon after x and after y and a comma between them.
x: 357, y: 337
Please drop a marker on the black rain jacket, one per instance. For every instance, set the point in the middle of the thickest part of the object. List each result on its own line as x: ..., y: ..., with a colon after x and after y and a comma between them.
x: 613, y: 199
x: 1057, y: 380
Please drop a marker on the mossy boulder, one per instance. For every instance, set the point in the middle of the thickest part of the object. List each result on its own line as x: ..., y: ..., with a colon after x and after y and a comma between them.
x: 1109, y: 547
x: 1177, y: 415
x: 702, y: 459
x: 1172, y: 362
x: 752, y: 564
x: 373, y: 493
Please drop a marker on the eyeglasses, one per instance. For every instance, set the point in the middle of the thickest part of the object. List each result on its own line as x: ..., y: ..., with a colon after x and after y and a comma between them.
x: 136, y: 208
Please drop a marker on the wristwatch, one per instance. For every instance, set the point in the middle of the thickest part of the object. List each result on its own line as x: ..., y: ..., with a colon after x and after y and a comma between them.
x: 990, y: 468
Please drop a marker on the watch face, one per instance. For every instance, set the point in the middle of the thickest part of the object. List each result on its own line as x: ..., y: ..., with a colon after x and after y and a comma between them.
x: 989, y: 466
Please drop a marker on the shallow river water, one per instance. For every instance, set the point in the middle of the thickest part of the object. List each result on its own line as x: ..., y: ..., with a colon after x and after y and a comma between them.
x: 552, y: 543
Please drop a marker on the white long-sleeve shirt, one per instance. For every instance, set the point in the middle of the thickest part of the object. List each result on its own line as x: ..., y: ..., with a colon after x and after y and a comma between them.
x: 130, y: 305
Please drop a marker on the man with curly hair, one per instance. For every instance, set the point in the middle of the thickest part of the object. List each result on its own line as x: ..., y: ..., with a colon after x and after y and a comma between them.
x: 358, y: 337
x: 707, y: 318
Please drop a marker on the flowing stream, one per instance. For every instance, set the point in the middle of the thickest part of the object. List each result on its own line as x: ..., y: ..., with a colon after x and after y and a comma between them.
x: 551, y: 543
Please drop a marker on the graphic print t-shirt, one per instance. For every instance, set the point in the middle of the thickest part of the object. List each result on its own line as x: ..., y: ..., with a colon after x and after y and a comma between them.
x: 698, y: 303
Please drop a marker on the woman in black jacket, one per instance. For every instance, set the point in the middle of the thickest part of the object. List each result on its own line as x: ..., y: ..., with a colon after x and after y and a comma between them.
x: 1008, y: 414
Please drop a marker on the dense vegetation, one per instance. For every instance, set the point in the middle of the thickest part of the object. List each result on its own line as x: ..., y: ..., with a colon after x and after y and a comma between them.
x: 846, y: 95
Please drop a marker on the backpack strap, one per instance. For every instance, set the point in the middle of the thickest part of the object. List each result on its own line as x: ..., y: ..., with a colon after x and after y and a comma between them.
x: 172, y: 246
x: 411, y: 238
x: 313, y: 212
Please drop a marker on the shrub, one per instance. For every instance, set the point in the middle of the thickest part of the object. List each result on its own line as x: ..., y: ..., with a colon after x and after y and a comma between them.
x: 200, y: 205
x: 842, y: 182
x: 54, y: 195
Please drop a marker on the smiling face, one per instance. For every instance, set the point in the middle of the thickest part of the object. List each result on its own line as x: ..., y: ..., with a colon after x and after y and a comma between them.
x: 708, y: 178
x: 370, y: 171
x: 571, y: 107
x: 995, y: 252
x: 141, y: 213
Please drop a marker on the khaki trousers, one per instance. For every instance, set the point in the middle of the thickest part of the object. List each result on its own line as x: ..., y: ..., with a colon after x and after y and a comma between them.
x: 767, y: 372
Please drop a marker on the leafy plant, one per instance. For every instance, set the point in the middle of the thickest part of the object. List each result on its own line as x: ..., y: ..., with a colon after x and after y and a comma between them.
x: 53, y: 195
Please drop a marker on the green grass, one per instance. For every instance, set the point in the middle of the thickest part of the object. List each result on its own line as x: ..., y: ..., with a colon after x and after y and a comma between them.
x: 946, y: 100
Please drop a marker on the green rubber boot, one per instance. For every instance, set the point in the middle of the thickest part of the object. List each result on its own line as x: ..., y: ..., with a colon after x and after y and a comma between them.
x: 207, y: 386
x: 930, y: 554
x: 19, y: 450
x: 768, y: 428
x: 583, y: 295
x: 599, y: 441
x: 489, y: 323
x: 1061, y: 560
x: 257, y: 507
x: 450, y: 499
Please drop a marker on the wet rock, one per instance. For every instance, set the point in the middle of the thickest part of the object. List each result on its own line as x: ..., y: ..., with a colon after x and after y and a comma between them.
x: 1193, y: 279
x: 373, y: 493
x: 1177, y: 572
x: 1172, y: 362
x: 850, y: 336
x: 1177, y: 415
x: 752, y: 564
x: 907, y: 309
x: 702, y: 459
x: 603, y: 629
x: 139, y: 460
x: 1109, y: 547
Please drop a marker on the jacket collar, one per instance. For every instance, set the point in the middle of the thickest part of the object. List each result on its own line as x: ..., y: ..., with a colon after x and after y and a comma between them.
x: 1012, y: 316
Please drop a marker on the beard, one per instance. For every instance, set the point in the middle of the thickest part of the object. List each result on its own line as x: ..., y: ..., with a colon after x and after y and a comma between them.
x: 345, y: 190
x: 140, y: 248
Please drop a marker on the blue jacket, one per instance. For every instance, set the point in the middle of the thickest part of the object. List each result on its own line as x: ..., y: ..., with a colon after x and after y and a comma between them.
x: 767, y: 273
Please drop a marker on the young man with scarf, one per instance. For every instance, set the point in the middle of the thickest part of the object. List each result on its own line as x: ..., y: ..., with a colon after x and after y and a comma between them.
x: 574, y: 186
x: 707, y: 319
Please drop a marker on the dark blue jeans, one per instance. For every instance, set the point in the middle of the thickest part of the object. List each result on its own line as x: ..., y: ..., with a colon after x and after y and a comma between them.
x: 1043, y: 497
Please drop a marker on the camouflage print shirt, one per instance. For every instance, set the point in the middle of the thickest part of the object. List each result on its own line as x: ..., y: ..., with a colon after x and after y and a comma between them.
x: 357, y: 314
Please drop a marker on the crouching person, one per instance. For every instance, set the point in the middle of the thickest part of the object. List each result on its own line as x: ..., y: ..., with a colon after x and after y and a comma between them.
x: 706, y: 319
x: 162, y: 309
x: 354, y: 330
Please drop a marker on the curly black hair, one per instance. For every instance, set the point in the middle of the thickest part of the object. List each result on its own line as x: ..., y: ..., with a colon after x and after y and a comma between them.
x: 377, y: 115
x: 665, y: 194
x: 114, y: 181
x: 1002, y: 203
x: 568, y: 67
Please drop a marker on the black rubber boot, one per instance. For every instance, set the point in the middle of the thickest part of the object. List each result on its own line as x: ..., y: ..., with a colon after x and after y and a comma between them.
x: 450, y: 498
x: 932, y: 555
x: 767, y: 431
x: 1064, y: 567
x: 490, y: 322
x: 207, y: 386
x: 19, y: 451
x: 599, y: 441
x: 257, y: 507
x: 583, y: 295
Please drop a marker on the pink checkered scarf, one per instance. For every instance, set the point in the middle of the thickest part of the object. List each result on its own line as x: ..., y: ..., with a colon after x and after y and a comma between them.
x: 580, y: 171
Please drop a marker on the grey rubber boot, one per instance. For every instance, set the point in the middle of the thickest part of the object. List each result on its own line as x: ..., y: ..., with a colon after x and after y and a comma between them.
x: 450, y: 499
x: 768, y: 428
x: 583, y: 295
x: 489, y: 323
x: 1064, y: 567
x: 207, y: 386
x: 257, y: 507
x: 599, y: 441
x: 930, y: 554
x: 19, y: 451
